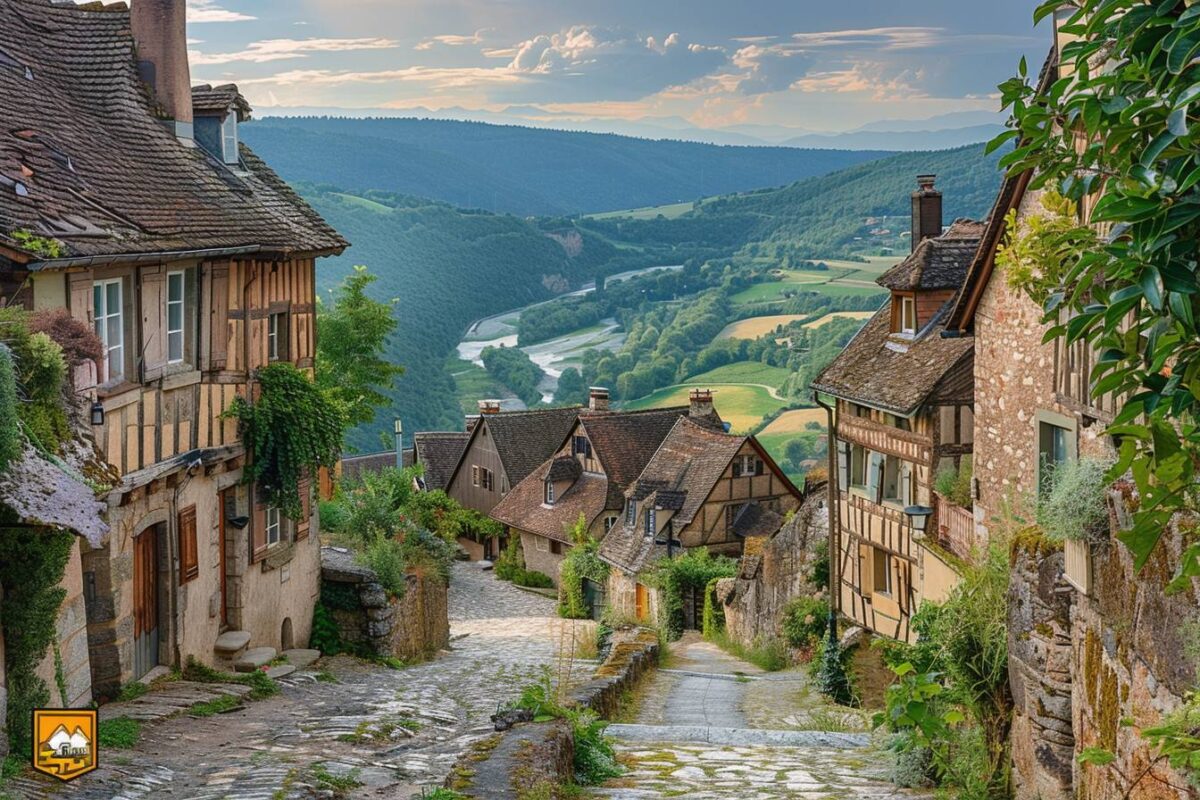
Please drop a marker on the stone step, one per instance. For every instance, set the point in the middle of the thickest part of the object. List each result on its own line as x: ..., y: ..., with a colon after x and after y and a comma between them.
x: 230, y: 643
x: 301, y: 658
x: 254, y: 658
x: 280, y: 671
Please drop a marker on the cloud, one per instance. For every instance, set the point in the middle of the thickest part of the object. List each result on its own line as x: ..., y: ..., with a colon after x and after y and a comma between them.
x: 283, y: 49
x: 771, y: 68
x: 452, y: 40
x: 437, y: 77
x: 199, y: 11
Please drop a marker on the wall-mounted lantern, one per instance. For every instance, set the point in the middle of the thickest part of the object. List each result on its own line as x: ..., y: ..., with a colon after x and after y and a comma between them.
x: 918, y: 518
x: 97, y: 413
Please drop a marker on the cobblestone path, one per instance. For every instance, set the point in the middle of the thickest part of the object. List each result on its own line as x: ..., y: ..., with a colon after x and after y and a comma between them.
x: 393, y: 731
x: 713, y: 727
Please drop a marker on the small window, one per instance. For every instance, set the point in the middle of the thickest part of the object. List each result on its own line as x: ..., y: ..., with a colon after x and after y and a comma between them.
x: 229, y: 139
x: 651, y: 521
x: 610, y: 522
x: 175, y: 290
x: 555, y: 547
x: 549, y: 493
x: 475, y: 471
x: 858, y: 466
x: 274, y: 526
x: 1054, y: 449
x: 541, y: 544
x: 580, y: 446
x: 908, y: 315
x: 883, y: 571
x: 630, y: 513
x: 277, y: 336
x: 108, y: 316
x: 745, y: 466
x: 488, y: 479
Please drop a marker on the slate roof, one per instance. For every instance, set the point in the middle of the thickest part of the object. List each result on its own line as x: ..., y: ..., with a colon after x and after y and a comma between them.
x: 755, y: 519
x: 440, y: 452
x: 564, y: 468
x: 84, y: 160
x: 937, y: 263
x: 216, y: 100
x: 525, y: 439
x: 523, y: 507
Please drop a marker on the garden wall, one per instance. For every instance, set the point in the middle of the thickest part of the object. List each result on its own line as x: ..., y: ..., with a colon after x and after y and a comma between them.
x: 754, y: 600
x: 411, y: 627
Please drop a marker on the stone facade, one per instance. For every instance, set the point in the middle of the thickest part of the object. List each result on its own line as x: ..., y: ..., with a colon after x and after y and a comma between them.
x: 412, y: 627
x: 767, y: 581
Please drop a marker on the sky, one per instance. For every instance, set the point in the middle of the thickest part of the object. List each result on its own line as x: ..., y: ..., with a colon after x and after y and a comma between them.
x: 807, y: 65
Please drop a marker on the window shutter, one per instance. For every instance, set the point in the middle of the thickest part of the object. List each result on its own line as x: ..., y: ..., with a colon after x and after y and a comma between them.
x: 843, y: 458
x: 189, y: 562
x: 758, y: 466
x: 474, y: 475
x: 866, y: 570
x: 906, y: 483
x: 154, y: 326
x: 874, y: 468
x: 737, y: 467
x: 302, y: 524
x: 258, y: 530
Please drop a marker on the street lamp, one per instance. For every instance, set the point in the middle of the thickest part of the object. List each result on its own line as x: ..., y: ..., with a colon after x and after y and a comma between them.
x: 97, y: 413
x: 398, y: 427
x: 918, y: 518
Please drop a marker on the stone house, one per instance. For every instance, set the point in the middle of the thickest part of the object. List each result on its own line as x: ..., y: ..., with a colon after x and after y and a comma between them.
x: 903, y: 395
x: 702, y: 488
x: 194, y: 264
x: 499, y: 450
x: 588, y: 474
x: 1092, y: 641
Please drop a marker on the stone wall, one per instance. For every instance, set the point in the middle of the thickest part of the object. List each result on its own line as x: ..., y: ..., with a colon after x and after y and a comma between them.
x: 411, y: 627
x: 766, y: 582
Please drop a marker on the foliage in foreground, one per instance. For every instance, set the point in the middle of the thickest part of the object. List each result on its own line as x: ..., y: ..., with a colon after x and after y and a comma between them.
x: 1129, y: 293
x: 693, y: 570
x: 581, y: 563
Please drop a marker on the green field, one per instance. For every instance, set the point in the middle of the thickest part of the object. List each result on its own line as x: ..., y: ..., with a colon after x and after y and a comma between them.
x: 773, y: 291
x: 743, y: 372
x: 473, y: 384
x: 672, y: 211
x: 363, y: 202
x: 741, y: 406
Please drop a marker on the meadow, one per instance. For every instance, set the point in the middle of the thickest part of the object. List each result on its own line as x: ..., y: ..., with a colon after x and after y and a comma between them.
x: 743, y: 407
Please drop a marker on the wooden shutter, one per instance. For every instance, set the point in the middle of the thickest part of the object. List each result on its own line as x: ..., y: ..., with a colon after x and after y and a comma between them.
x: 474, y: 475
x: 843, y: 459
x: 874, y: 472
x: 758, y: 466
x: 302, y: 524
x: 866, y: 570
x: 189, y: 559
x: 154, y: 324
x: 216, y: 331
x: 906, y: 483
x: 258, y: 529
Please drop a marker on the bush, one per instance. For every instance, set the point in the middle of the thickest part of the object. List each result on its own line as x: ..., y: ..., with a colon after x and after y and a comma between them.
x: 78, y: 341
x: 714, y: 613
x: 955, y: 484
x: 581, y: 563
x: 693, y: 570
x: 532, y: 579
x: 385, y: 557
x: 10, y: 433
x: 805, y: 620
x: 511, y: 560
x: 1076, y: 507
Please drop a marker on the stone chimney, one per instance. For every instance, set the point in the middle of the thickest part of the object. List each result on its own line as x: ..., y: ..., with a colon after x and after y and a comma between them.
x: 700, y: 403
x: 926, y: 210
x: 598, y: 399
x: 160, y: 34
x: 489, y: 407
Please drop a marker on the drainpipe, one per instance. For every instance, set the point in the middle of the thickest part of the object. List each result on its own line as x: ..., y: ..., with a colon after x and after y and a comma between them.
x: 835, y: 553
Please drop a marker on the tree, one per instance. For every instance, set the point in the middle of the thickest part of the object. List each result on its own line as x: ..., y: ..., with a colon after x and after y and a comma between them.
x: 571, y: 387
x: 1131, y: 294
x: 352, y: 335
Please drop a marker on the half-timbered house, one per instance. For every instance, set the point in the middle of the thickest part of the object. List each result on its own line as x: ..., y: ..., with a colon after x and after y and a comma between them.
x: 194, y: 263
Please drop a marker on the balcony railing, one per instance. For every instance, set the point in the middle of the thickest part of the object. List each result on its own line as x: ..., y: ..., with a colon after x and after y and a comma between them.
x: 956, y: 528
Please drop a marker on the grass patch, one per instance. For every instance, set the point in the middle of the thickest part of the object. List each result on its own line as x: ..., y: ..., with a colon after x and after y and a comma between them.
x: 340, y: 785
x: 325, y: 676
x: 742, y: 406
x: 119, y: 733
x: 260, y: 685
x: 670, y: 211
x: 744, y: 372
x: 218, y: 705
x: 132, y: 691
x: 769, y: 655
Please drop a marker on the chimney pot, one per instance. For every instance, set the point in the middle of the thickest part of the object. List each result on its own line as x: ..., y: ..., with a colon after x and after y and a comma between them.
x: 926, y: 210
x: 700, y: 403
x: 160, y: 34
x: 598, y: 399
x: 489, y: 407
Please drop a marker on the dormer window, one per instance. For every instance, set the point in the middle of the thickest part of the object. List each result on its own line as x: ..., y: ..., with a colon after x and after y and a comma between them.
x: 630, y: 513
x: 906, y: 321
x: 549, y: 494
x: 651, y: 522
x: 229, y: 139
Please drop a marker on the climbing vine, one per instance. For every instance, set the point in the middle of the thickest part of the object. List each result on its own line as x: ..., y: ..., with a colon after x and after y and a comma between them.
x: 581, y: 562
x: 32, y: 563
x: 10, y: 436
x: 691, y: 571
x: 291, y: 430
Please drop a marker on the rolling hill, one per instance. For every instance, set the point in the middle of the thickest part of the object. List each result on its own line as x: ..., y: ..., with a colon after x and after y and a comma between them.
x: 524, y: 171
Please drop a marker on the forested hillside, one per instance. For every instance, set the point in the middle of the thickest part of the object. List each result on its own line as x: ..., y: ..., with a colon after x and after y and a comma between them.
x: 525, y: 171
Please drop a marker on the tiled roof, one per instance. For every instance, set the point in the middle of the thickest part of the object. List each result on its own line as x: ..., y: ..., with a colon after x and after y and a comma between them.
x: 440, y: 452
x: 354, y: 467
x: 525, y: 439
x: 523, y: 507
x: 216, y: 100
x: 564, y: 468
x: 626, y: 441
x: 939, y: 263
x: 84, y: 160
x: 755, y: 519
x: 876, y: 371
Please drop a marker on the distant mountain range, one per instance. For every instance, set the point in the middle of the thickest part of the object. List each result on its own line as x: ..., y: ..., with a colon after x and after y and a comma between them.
x: 525, y: 171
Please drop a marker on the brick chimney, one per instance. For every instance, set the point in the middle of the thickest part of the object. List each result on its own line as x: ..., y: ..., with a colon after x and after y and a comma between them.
x: 598, y: 399
x: 700, y: 403
x: 926, y: 210
x: 160, y: 34
x: 489, y: 407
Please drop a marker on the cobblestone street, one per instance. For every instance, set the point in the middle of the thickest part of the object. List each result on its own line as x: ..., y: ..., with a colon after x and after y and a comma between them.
x: 394, y: 731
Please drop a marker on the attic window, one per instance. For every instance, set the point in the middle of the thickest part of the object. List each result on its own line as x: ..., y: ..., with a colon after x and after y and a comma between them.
x: 229, y: 138
x: 549, y: 493
x: 906, y: 315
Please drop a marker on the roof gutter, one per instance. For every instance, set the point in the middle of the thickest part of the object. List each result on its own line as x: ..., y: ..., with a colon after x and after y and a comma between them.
x: 142, y: 258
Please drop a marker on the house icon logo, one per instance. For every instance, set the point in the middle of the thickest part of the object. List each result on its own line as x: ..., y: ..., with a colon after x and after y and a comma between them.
x: 65, y: 742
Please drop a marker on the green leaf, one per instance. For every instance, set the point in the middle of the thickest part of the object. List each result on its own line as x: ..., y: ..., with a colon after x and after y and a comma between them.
x: 1096, y: 757
x: 1177, y: 121
x: 1152, y: 288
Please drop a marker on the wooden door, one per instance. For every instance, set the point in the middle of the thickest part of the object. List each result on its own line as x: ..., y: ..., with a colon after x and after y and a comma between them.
x: 145, y: 602
x: 642, y: 603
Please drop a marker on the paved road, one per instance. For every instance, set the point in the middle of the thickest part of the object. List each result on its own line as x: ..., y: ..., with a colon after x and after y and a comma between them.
x: 703, y: 732
x: 396, y: 731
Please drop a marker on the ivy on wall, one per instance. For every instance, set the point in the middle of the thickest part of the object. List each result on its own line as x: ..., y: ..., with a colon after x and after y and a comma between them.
x: 10, y: 436
x: 581, y: 562
x: 693, y: 570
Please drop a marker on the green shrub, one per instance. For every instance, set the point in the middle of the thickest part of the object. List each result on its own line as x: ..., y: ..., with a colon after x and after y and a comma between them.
x: 713, y: 623
x: 532, y: 579
x: 10, y: 432
x: 511, y: 560
x: 769, y: 655
x: 955, y: 484
x: 595, y: 758
x: 581, y: 563
x: 805, y: 621
x: 40, y: 371
x: 119, y: 733
x: 385, y: 557
x: 1076, y: 506
x: 673, y: 576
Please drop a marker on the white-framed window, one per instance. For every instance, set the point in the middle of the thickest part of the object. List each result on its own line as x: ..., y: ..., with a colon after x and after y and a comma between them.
x: 549, y: 493
x: 883, y: 571
x: 175, y: 290
x: 229, y: 139
x: 745, y: 466
x: 908, y: 315
x: 274, y: 526
x: 109, y: 317
x: 276, y: 336
x: 541, y: 543
x: 859, y: 456
x: 651, y: 521
x: 610, y: 522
